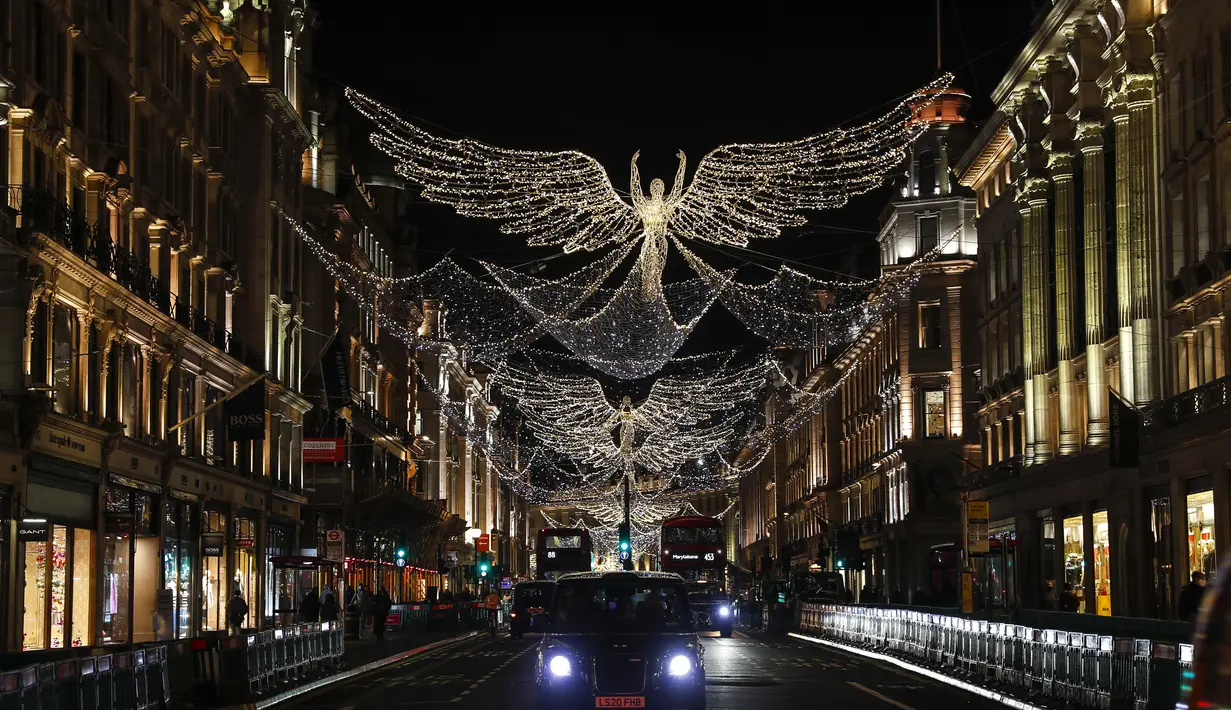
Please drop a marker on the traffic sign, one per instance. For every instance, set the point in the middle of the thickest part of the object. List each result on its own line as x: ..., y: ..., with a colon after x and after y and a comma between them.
x: 333, y: 536
x: 483, y: 543
x: 401, y: 562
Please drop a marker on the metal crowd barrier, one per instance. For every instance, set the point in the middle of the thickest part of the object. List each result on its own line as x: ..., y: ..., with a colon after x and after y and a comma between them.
x: 129, y: 680
x: 237, y: 668
x: 1047, y: 665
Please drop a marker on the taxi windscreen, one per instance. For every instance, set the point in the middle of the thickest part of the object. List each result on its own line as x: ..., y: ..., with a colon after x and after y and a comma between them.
x: 601, y: 605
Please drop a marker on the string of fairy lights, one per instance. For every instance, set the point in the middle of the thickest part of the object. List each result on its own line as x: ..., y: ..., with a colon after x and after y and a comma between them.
x: 623, y: 405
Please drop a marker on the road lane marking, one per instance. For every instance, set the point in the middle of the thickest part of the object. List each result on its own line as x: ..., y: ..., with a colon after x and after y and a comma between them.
x: 873, y: 693
x: 925, y: 672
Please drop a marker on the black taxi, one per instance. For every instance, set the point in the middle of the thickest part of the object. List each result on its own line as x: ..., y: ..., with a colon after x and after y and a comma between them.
x: 620, y: 640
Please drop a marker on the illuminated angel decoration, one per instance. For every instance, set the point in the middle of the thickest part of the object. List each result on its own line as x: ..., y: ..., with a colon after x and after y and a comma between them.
x: 739, y: 192
x: 684, y: 417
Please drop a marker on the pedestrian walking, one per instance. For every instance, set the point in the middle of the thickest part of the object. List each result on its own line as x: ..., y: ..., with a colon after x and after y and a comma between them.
x: 237, y: 611
x: 329, y: 605
x: 380, y: 612
x: 364, y: 600
x: 309, y: 608
x: 1189, y: 602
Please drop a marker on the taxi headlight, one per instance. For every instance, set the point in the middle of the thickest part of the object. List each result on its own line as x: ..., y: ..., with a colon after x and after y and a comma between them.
x: 679, y: 665
x: 560, y: 666
x: 724, y: 610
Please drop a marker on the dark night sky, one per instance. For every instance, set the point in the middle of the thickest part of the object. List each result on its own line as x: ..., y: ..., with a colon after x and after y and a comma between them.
x: 611, y: 85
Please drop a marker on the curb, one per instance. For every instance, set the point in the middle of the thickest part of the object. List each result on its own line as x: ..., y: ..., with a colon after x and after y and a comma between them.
x: 1002, y: 698
x: 348, y: 674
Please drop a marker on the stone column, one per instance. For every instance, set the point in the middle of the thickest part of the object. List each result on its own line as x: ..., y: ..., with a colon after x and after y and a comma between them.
x: 1027, y: 304
x: 213, y: 294
x: 148, y: 355
x: 1124, y: 260
x: 1032, y: 200
x: 1066, y: 293
x: 85, y: 323
x: 1142, y: 183
x: 1090, y: 136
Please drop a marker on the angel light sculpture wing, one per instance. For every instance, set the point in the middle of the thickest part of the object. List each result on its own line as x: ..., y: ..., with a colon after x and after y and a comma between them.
x: 566, y: 199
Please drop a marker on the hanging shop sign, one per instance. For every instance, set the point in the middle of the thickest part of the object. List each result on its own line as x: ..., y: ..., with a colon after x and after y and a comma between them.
x: 977, y: 512
x: 336, y: 367
x: 483, y: 543
x: 212, y: 545
x: 245, y: 414
x: 452, y: 559
x: 324, y: 450
x: 32, y: 530
x: 1125, y: 444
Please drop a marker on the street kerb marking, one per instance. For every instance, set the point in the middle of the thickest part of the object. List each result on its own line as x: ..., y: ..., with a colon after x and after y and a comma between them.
x: 491, y: 673
x: 926, y: 673
x: 873, y: 693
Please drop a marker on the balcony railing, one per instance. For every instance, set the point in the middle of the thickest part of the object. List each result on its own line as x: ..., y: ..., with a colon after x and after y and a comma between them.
x: 1210, y: 397
x: 378, y: 419
x: 40, y: 211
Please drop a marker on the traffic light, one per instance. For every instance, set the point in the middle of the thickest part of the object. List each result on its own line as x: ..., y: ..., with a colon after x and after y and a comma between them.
x: 400, y: 553
x: 626, y: 546
x: 484, y: 564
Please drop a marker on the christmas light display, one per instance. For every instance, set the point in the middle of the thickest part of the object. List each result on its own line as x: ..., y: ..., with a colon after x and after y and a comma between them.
x: 679, y: 421
x: 566, y: 199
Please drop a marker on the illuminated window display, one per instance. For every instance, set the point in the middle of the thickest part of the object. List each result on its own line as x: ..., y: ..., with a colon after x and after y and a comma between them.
x: 34, y: 622
x: 1201, y: 554
x: 177, y: 564
x: 56, y: 595
x: 244, y: 571
x: 1074, y: 559
x: 131, y: 567
x: 214, y: 591
x: 1102, y: 564
x: 81, y: 589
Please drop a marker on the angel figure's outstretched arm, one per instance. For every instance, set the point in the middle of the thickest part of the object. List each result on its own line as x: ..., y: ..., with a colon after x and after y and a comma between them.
x: 634, y: 188
x: 677, y: 188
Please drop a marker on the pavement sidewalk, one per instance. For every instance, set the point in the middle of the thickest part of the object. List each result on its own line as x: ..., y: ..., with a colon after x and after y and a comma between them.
x: 362, y: 656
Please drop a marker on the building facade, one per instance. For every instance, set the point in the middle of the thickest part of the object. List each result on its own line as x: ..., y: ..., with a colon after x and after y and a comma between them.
x: 1101, y: 195
x: 154, y: 412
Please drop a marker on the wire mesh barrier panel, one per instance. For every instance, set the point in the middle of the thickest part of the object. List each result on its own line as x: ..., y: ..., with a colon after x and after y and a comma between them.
x: 1040, y: 665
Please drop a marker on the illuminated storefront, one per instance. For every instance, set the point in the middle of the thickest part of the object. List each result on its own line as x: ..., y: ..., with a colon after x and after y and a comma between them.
x: 179, y: 545
x: 132, y: 566
x: 1102, y: 564
x: 1202, y: 555
x: 214, y: 589
x: 1074, y: 560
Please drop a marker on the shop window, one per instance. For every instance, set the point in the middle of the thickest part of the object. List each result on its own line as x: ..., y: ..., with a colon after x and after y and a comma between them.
x: 82, y: 587
x: 34, y: 620
x: 130, y: 566
x: 1102, y: 564
x: 1074, y: 562
x: 117, y: 574
x: 1160, y: 527
x: 58, y: 564
x: 214, y: 591
x: 1201, y: 554
x: 177, y: 565
x: 244, y: 575
x: 64, y: 360
x: 934, y: 414
x: 57, y: 594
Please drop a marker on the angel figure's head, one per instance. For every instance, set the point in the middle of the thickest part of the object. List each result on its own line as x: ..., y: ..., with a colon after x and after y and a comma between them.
x: 657, y: 187
x: 626, y: 402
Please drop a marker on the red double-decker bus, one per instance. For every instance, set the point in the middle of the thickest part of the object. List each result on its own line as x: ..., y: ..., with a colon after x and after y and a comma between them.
x: 561, y: 550
x: 692, y: 546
